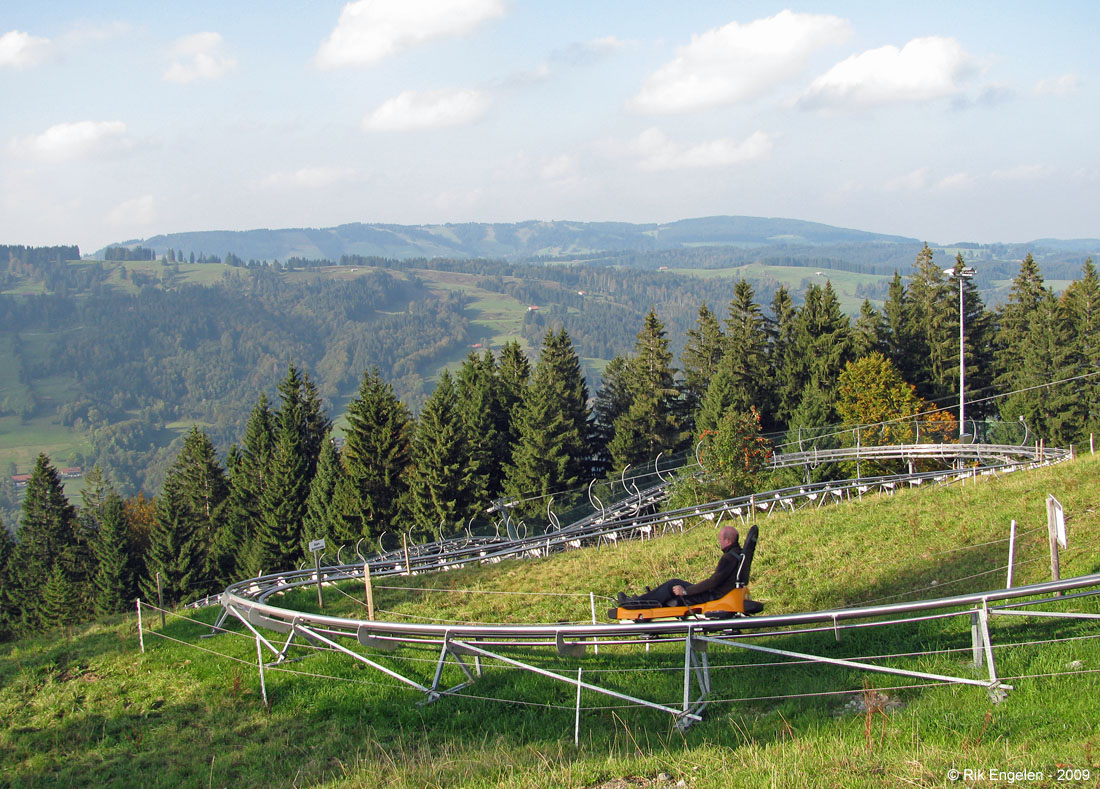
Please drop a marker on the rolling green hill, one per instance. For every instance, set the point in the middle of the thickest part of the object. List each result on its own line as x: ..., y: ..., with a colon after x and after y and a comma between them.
x: 87, y: 707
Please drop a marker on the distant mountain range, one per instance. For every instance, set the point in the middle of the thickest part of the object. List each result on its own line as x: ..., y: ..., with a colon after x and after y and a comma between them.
x: 508, y: 240
x: 707, y: 241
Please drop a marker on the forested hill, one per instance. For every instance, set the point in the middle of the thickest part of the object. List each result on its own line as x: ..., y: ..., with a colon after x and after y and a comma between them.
x: 512, y: 240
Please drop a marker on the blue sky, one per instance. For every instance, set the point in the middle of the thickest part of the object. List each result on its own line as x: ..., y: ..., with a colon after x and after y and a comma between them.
x: 944, y: 121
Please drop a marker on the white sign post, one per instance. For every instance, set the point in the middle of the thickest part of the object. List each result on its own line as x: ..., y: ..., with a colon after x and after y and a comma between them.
x: 1056, y: 530
x: 317, y: 546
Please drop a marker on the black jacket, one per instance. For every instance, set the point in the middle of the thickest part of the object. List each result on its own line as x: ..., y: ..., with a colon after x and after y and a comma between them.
x: 724, y: 576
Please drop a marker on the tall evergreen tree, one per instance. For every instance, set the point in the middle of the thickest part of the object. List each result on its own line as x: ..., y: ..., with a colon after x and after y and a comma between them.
x: 552, y: 426
x: 899, y: 329
x: 61, y: 600
x: 47, y: 540
x: 323, y: 519
x: 478, y: 403
x: 248, y: 470
x: 741, y: 381
x: 189, y: 511
x: 1081, y: 305
x: 649, y: 425
x: 513, y: 377
x: 376, y: 459
x: 115, y: 580
x: 1014, y: 337
x: 781, y: 332
x: 700, y: 358
x: 8, y: 609
x: 934, y: 328
x: 612, y: 401
x: 276, y: 545
x: 869, y: 332
x: 820, y: 347
x: 439, y: 489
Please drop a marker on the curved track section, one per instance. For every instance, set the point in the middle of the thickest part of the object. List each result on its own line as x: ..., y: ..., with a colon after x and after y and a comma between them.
x: 640, y: 515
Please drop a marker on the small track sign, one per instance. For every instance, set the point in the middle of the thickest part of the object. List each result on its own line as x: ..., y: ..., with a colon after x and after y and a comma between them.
x: 316, y: 545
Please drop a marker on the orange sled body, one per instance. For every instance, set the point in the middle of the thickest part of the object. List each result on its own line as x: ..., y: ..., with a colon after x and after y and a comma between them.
x: 735, y: 602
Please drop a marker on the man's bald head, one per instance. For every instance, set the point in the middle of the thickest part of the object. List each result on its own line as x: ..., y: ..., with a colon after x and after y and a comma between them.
x: 727, y: 536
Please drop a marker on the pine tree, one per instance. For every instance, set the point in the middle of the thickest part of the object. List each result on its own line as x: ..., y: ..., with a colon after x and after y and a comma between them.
x: 60, y: 598
x: 781, y: 367
x: 47, y: 536
x: 115, y: 580
x: 1081, y: 305
x: 869, y: 332
x: 739, y: 383
x: 248, y: 469
x: 1014, y: 337
x: 701, y: 357
x: 513, y: 376
x: 934, y: 328
x: 898, y: 336
x: 612, y: 401
x: 323, y: 520
x: 439, y: 490
x: 8, y: 608
x: 649, y: 425
x: 189, y: 512
x: 820, y: 347
x: 276, y: 545
x: 478, y: 402
x: 376, y: 459
x: 549, y: 456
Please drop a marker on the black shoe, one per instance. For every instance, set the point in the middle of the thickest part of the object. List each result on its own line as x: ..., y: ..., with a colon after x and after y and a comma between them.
x: 622, y: 598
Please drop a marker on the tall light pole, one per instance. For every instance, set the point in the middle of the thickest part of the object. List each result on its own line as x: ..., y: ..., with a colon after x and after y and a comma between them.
x: 962, y: 273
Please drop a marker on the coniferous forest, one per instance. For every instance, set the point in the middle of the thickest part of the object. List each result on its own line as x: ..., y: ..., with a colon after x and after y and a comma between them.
x: 241, y: 497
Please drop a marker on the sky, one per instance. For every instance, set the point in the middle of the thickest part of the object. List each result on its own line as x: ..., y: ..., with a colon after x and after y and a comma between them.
x: 942, y: 121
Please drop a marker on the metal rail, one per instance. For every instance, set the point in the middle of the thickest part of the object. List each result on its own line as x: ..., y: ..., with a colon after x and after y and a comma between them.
x: 639, y: 515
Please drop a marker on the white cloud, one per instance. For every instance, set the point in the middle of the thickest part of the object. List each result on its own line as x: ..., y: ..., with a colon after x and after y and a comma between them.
x: 657, y: 152
x: 737, y: 62
x: 1021, y: 172
x: 955, y: 181
x: 199, y: 56
x: 310, y: 177
x: 1058, y: 86
x: 22, y: 50
x: 82, y: 139
x: 432, y: 109
x: 917, y: 179
x: 136, y: 213
x: 924, y: 69
x: 370, y: 30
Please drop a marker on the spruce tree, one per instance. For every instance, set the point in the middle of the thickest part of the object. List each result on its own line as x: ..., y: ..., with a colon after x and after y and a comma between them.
x: 47, y: 536
x: 376, y: 459
x: 115, y: 580
x: 248, y: 470
x: 478, y: 402
x: 899, y: 329
x: 869, y: 332
x: 781, y: 366
x: 612, y: 401
x: 700, y: 358
x: 7, y: 603
x: 1081, y: 305
x: 550, y: 454
x: 740, y: 381
x: 513, y: 376
x: 323, y: 520
x: 60, y: 601
x: 934, y: 328
x: 189, y: 514
x: 650, y: 423
x: 276, y: 545
x: 1014, y: 337
x: 439, y: 489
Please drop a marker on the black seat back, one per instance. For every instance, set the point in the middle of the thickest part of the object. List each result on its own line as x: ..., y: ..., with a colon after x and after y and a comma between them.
x: 746, y: 557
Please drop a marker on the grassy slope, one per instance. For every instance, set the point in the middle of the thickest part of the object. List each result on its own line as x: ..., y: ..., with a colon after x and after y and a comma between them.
x: 87, y: 707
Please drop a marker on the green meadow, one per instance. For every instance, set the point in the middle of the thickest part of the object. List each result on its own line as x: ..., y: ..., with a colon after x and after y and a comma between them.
x: 85, y: 706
